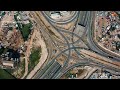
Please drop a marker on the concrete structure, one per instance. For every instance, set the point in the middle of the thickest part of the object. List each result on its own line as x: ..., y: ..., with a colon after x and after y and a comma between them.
x: 55, y: 16
x: 79, y: 30
x: 8, y: 63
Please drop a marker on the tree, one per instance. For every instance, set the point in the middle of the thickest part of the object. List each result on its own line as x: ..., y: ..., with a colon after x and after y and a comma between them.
x: 118, y: 36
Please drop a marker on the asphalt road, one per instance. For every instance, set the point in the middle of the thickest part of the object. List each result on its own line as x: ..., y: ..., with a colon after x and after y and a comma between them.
x: 53, y: 70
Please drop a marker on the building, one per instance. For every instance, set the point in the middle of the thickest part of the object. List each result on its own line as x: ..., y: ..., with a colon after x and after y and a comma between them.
x: 55, y: 16
x: 65, y: 13
x: 8, y: 64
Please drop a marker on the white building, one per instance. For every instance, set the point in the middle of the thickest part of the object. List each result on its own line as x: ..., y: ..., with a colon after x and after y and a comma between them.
x: 64, y: 13
x: 8, y: 63
x: 55, y: 16
x: 26, y: 22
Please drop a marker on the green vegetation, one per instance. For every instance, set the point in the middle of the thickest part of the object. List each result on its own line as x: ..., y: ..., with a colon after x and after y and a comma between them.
x: 10, y: 71
x: 20, y: 68
x: 34, y: 58
x: 119, y: 16
x: 2, y: 13
x: 24, y: 28
x: 119, y: 36
x: 22, y: 65
x: 2, y: 50
x: 10, y: 28
x: 112, y: 28
x: 5, y: 75
x: 15, y: 17
x: 26, y: 31
x: 68, y: 75
x: 117, y: 45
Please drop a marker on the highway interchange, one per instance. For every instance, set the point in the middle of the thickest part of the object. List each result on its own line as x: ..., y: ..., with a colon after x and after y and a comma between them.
x: 52, y: 69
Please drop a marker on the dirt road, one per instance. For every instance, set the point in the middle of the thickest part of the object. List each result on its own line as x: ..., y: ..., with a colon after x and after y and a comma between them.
x: 42, y: 59
x: 28, y: 53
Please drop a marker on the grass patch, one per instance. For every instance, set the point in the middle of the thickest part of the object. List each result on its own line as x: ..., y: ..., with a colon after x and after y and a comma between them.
x: 34, y: 58
x: 2, y: 13
x: 21, y: 67
x: 26, y: 31
x: 5, y: 75
x: 10, y: 70
x: 24, y: 28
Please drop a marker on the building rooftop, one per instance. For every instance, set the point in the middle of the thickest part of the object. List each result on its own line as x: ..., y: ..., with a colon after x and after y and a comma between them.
x: 8, y: 63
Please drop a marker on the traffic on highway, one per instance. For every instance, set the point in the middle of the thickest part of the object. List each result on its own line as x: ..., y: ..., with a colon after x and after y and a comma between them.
x: 64, y: 44
x: 72, y: 47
